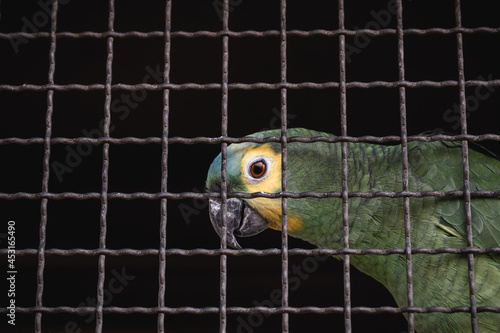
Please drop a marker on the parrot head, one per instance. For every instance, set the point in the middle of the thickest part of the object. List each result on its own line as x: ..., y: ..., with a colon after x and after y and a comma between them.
x: 256, y: 167
x: 250, y: 168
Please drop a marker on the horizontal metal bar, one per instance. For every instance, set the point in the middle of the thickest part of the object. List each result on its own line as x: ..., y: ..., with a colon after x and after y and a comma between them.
x: 246, y: 86
x: 207, y: 195
x: 250, y: 252
x: 249, y: 33
x: 244, y: 310
x: 218, y: 140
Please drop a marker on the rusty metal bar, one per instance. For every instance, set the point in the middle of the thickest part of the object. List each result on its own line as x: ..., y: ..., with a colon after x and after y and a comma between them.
x: 46, y: 168
x: 225, y: 139
x: 405, y: 167
x: 249, y: 310
x: 465, y: 161
x: 251, y: 252
x: 105, y: 173
x: 252, y: 33
x: 223, y: 194
x: 285, y: 324
x: 345, y: 188
x: 196, y: 195
x: 248, y: 86
x: 162, y: 256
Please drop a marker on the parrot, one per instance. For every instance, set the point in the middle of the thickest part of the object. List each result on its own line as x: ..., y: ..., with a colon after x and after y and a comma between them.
x: 376, y: 222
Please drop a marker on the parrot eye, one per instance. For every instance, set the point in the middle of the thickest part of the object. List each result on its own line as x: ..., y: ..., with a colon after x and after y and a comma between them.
x: 258, y: 169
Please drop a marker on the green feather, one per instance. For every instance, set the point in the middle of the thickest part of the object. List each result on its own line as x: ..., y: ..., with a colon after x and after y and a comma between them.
x: 484, y: 175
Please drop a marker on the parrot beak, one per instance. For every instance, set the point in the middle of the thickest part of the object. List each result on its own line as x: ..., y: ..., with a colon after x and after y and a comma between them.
x: 241, y: 220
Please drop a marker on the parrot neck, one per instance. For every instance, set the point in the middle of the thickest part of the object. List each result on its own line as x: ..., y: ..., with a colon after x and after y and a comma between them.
x: 371, y: 168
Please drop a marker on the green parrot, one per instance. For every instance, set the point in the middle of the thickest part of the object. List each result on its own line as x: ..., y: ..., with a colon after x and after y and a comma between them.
x: 439, y: 279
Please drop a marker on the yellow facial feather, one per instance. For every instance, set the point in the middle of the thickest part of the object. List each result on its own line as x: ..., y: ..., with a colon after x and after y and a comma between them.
x: 270, y: 209
x: 272, y: 182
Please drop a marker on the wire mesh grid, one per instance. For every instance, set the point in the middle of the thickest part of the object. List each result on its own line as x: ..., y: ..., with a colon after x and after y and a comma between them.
x: 165, y: 141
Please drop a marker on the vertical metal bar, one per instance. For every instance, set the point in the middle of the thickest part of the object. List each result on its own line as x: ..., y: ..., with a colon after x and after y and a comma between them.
x: 284, y: 164
x: 223, y: 257
x: 164, y: 171
x: 345, y: 188
x: 46, y: 168
x: 465, y: 162
x: 105, y: 171
x: 404, y: 149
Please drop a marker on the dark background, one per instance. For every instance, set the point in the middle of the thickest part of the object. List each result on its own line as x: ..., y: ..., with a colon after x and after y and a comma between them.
x: 194, y: 281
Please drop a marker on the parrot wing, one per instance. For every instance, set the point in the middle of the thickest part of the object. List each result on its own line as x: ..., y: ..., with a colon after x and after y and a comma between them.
x: 436, y: 163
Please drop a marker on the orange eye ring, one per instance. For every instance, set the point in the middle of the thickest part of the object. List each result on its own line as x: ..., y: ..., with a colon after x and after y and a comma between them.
x: 258, y: 169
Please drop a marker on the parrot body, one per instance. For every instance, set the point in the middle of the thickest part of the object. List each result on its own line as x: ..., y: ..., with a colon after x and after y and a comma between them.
x: 378, y: 222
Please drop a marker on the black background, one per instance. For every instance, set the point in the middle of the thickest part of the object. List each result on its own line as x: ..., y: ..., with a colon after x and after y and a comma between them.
x: 194, y: 281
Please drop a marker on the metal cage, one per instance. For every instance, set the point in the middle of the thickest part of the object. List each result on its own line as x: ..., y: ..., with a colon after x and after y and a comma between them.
x: 106, y: 281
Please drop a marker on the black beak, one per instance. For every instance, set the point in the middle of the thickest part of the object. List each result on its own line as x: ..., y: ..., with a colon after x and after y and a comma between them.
x: 241, y: 220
